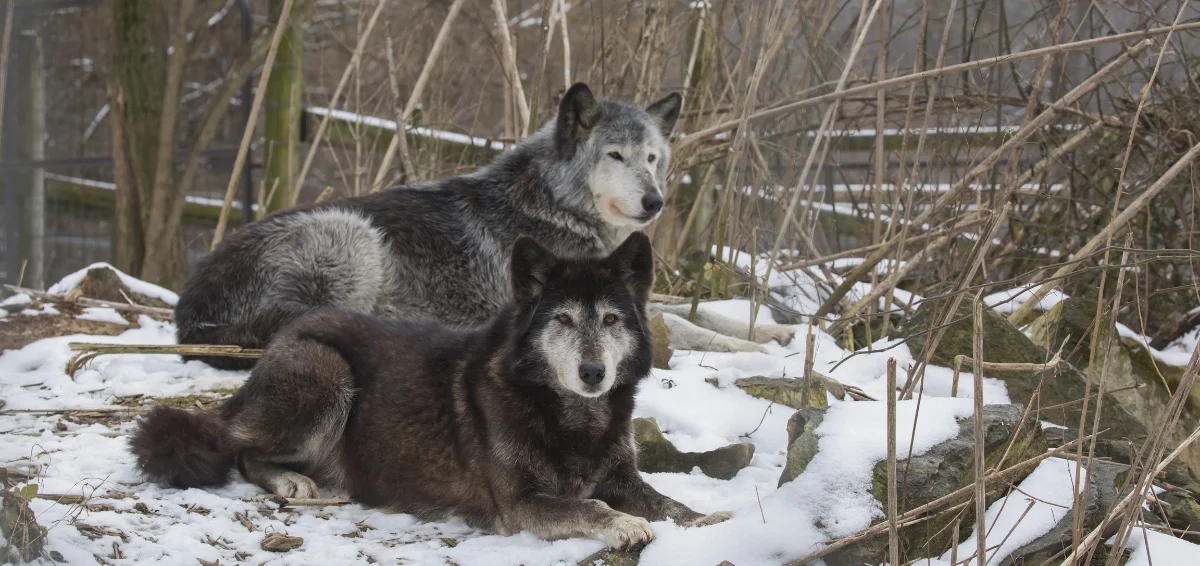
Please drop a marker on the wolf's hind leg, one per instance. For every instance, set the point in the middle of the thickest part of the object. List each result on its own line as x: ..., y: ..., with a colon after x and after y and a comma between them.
x: 290, y: 416
x: 277, y: 479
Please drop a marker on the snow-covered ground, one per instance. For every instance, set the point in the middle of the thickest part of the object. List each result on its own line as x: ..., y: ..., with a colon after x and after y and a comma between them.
x: 127, y: 521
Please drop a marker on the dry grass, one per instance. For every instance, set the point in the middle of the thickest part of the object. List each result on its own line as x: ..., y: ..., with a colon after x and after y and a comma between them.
x: 766, y: 157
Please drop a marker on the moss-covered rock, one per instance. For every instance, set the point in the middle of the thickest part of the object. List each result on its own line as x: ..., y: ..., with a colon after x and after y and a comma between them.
x: 802, y: 441
x: 608, y: 557
x: 1104, y: 484
x: 947, y: 467
x: 1140, y: 384
x: 1182, y: 512
x: 1055, y: 393
x: 785, y: 390
x: 656, y: 454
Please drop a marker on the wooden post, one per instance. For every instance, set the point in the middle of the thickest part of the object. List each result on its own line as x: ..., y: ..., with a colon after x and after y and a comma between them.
x: 282, y: 105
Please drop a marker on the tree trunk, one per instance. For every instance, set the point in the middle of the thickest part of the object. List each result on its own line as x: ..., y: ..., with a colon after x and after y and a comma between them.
x: 135, y: 90
x: 33, y: 110
x: 283, y: 108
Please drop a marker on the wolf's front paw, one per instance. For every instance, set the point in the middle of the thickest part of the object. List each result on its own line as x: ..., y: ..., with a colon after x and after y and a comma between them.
x: 709, y: 519
x: 764, y: 333
x: 291, y: 484
x: 626, y: 532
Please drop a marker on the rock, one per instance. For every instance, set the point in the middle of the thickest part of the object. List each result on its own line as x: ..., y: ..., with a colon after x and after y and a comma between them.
x: 1123, y: 452
x: 609, y: 557
x: 802, y: 441
x: 1182, y: 512
x: 23, y: 536
x: 279, y: 542
x: 785, y: 390
x: 1144, y: 364
x: 1103, y: 483
x: 660, y: 335
x: 1058, y: 390
x: 656, y: 454
x: 945, y: 468
x: 1141, y: 385
x: 104, y: 284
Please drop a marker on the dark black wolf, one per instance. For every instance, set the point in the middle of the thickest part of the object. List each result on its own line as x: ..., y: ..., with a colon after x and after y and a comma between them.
x: 522, y: 424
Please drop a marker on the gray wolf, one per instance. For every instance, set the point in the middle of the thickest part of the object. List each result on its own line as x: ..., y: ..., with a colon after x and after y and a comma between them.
x: 521, y: 424
x: 439, y: 251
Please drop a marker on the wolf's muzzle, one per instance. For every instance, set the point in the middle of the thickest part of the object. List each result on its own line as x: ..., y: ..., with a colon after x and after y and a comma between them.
x: 591, y: 374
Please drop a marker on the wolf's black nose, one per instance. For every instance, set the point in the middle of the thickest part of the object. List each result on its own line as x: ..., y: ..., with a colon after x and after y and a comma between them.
x: 652, y: 203
x: 591, y: 374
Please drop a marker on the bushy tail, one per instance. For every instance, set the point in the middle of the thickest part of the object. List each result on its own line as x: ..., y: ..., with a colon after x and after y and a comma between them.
x: 183, y: 449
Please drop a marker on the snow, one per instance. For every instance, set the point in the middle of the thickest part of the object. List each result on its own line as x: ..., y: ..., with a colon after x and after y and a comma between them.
x: 770, y: 524
x: 385, y: 124
x: 107, y: 186
x: 1007, y: 302
x: 1040, y: 501
x: 102, y: 314
x: 18, y: 299
x: 1150, y: 548
x: 66, y: 284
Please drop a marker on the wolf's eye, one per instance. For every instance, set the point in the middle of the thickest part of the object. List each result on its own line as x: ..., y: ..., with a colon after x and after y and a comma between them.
x: 652, y: 158
x: 616, y: 155
x: 610, y: 319
x: 564, y: 319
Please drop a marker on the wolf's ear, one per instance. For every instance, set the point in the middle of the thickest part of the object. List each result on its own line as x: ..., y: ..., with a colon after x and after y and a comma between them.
x: 665, y: 112
x: 530, y: 264
x: 577, y: 115
x: 634, y: 260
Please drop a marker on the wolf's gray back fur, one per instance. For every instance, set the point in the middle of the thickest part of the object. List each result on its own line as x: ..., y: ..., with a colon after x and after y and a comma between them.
x: 439, y: 251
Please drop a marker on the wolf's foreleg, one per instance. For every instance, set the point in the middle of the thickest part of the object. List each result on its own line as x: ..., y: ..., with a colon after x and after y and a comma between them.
x: 552, y: 518
x: 626, y: 491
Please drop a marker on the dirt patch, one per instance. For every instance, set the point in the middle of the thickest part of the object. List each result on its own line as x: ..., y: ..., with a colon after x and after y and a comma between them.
x: 18, y: 330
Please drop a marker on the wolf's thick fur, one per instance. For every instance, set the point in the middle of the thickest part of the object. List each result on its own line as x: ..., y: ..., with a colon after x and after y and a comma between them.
x: 522, y: 424
x: 439, y: 251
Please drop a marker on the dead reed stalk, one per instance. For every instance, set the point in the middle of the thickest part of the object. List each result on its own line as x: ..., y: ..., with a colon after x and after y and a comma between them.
x: 893, y: 529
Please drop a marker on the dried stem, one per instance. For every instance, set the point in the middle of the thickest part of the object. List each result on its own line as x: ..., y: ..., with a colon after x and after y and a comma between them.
x: 893, y: 530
